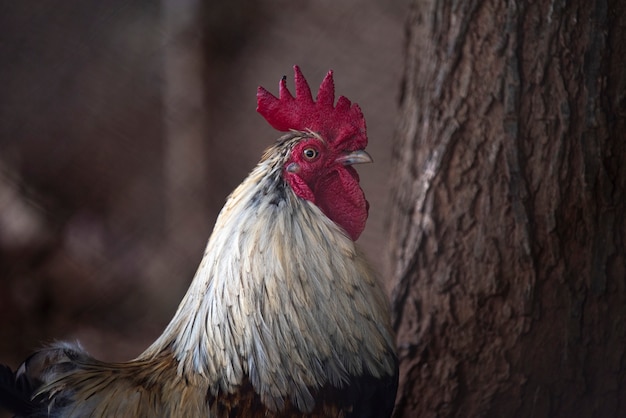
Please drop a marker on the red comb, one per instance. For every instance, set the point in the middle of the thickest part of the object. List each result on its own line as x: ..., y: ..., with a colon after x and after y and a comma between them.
x: 339, y: 124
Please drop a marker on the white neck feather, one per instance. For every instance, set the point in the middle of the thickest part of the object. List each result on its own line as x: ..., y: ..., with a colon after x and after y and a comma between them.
x: 282, y: 296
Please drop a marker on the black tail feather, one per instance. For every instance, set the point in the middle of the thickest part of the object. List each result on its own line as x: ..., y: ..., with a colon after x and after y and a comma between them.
x: 16, y: 393
x: 18, y: 389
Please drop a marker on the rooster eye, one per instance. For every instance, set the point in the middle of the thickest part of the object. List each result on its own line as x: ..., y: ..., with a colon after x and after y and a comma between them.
x: 310, y: 153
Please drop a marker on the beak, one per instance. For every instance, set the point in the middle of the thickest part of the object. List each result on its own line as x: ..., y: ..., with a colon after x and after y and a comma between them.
x: 355, y: 157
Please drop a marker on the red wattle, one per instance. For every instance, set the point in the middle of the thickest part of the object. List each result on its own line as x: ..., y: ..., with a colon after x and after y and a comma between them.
x: 340, y: 197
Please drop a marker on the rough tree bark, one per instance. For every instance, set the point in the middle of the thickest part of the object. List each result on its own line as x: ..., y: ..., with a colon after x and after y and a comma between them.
x: 507, y: 230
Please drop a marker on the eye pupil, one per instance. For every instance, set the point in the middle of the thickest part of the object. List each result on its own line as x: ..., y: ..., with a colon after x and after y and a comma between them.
x: 310, y: 153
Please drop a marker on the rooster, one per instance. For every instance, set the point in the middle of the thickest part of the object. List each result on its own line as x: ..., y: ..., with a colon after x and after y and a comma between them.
x: 284, y: 316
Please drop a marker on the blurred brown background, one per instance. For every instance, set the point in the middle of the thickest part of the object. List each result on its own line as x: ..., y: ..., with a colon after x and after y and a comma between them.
x: 125, y: 124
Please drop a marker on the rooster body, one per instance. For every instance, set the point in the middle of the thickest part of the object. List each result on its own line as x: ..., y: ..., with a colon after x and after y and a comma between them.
x: 284, y: 316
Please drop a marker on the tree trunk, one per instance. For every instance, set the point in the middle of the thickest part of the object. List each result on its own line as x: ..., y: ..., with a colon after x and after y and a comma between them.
x: 507, y: 227
x: 186, y: 120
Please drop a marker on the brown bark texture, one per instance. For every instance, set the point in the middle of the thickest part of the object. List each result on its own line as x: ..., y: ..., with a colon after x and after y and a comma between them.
x: 507, y: 226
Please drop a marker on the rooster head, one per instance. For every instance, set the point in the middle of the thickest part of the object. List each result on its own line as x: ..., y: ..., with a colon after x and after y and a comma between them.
x: 332, y: 138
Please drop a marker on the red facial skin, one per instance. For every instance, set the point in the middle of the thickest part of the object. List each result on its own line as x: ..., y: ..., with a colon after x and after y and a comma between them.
x: 314, y: 174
